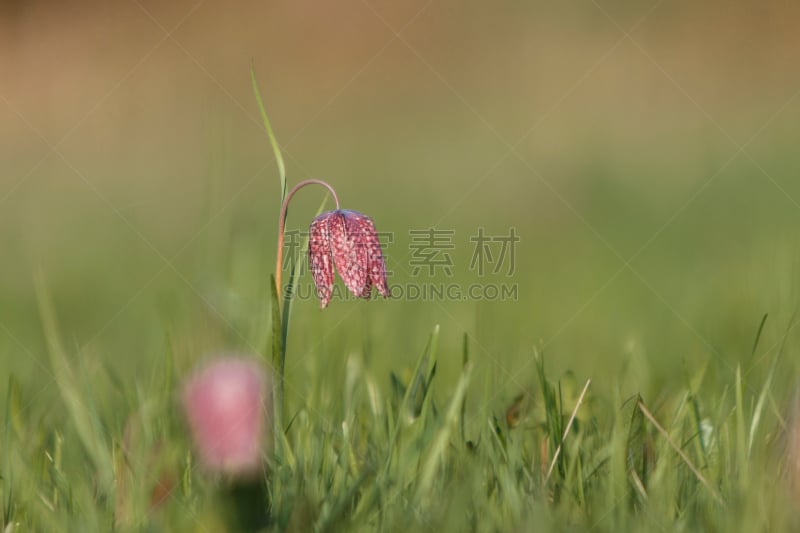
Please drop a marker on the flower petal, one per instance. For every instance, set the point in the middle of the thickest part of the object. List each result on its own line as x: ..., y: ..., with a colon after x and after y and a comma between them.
x: 367, y: 292
x: 376, y: 266
x: 348, y: 250
x: 319, y: 256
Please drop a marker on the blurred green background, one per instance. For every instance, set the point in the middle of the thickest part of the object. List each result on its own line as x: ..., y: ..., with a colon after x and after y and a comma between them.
x: 645, y: 152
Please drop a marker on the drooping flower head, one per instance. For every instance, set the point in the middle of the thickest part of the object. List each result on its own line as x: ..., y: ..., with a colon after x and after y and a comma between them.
x: 225, y: 406
x: 348, y: 241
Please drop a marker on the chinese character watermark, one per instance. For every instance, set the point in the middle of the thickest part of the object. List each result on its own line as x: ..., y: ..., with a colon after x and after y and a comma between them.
x: 429, y: 249
x: 494, y: 250
x: 292, y: 242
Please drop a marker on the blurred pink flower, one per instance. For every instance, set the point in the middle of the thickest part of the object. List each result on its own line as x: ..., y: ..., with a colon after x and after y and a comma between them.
x: 225, y: 404
x: 349, y: 241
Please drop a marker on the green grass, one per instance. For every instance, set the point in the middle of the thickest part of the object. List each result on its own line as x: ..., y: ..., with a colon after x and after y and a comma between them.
x: 416, y: 455
x: 407, y: 416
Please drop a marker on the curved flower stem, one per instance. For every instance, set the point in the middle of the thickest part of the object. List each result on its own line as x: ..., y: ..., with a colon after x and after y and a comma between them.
x: 280, y: 315
x: 282, y: 225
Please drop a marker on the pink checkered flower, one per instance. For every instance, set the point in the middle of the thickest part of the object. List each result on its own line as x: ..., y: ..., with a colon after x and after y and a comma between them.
x: 347, y: 240
x: 343, y: 239
x: 225, y: 404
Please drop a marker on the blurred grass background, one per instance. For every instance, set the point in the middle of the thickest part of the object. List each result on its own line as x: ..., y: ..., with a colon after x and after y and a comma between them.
x: 646, y: 153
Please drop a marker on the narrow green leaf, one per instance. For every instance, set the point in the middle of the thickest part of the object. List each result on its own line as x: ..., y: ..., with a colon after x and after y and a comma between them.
x: 85, y: 418
x: 741, y: 441
x: 167, y: 387
x: 404, y: 412
x: 14, y: 416
x: 436, y: 454
x: 758, y: 334
x: 552, y: 409
x: 635, y: 449
x: 268, y: 127
x: 762, y: 398
x: 426, y: 399
x: 464, y: 362
x: 423, y: 375
x: 697, y: 422
x: 7, y: 477
x: 332, y: 517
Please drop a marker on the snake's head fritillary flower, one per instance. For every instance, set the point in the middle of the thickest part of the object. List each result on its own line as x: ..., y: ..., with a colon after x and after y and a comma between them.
x: 225, y: 404
x: 348, y: 241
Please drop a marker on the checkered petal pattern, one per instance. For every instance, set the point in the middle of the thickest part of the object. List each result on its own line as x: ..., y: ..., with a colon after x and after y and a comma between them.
x: 319, y: 255
x: 376, y: 266
x: 347, y: 240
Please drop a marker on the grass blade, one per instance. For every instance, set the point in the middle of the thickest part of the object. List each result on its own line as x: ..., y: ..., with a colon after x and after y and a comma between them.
x: 636, y: 448
x: 439, y: 447
x: 700, y: 477
x: 464, y: 362
x: 405, y: 413
x: 741, y: 439
x: 566, y: 431
x: 758, y: 334
x: 7, y: 475
x: 85, y: 418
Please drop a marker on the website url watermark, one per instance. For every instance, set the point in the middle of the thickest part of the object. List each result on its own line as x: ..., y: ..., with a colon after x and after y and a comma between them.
x: 426, y: 292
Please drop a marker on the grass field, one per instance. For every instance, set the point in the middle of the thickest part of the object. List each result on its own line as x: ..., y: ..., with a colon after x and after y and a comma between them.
x: 629, y: 364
